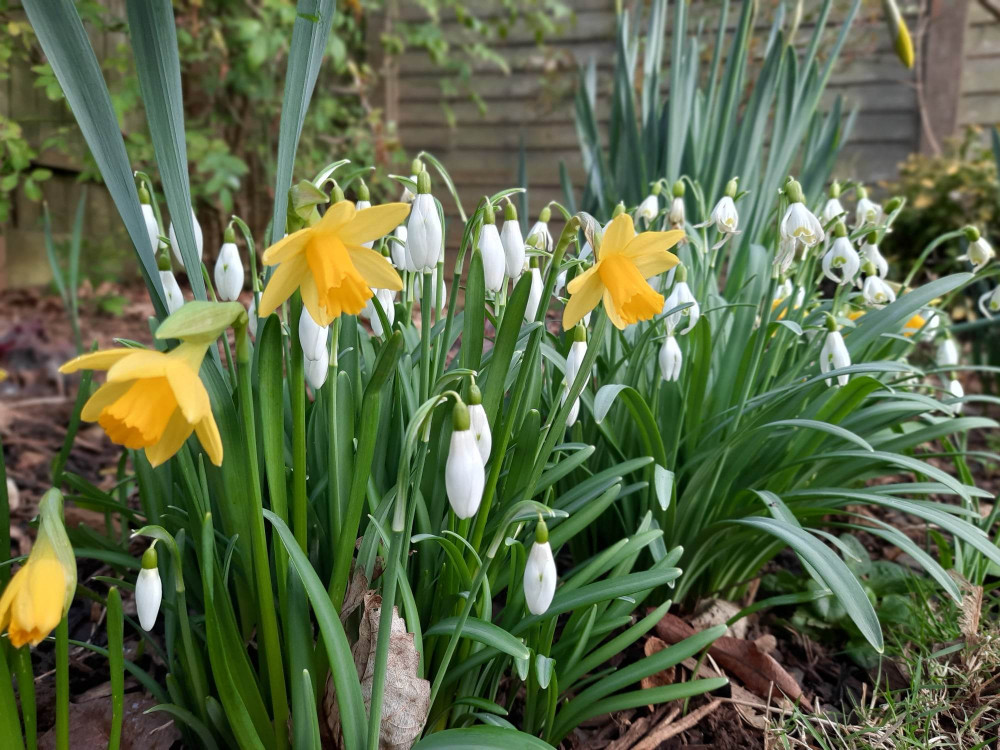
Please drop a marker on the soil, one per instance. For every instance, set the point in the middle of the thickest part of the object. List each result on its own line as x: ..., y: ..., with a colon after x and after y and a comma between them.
x: 35, y: 405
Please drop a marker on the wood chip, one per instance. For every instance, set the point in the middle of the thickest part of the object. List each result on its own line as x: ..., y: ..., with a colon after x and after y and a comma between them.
x: 666, y: 730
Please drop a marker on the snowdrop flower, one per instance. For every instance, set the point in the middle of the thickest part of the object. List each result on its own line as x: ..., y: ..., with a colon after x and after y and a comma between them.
x: 676, y: 214
x: 783, y: 290
x: 574, y: 361
x: 875, y: 290
x: 198, y: 243
x: 464, y: 476
x: 534, y: 295
x: 148, y: 590
x: 312, y: 336
x: 229, y: 269
x: 317, y: 369
x: 834, y: 355
x: 956, y: 390
x: 724, y: 214
x: 833, y: 208
x: 149, y: 216
x: 670, y: 359
x: 989, y: 303
x: 492, y: 250
x: 947, y: 353
x: 788, y: 248
x: 681, y: 295
x: 799, y: 222
x: 171, y: 291
x: 540, y: 231
x: 512, y: 242
x: 867, y: 211
x: 480, y: 423
x: 980, y: 252
x: 841, y: 257
x: 560, y: 282
x: 399, y: 255
x: 423, y: 229
x: 252, y: 316
x: 364, y: 201
x: 540, y: 572
x: 870, y: 252
x: 416, y: 167
x: 650, y: 206
x: 385, y: 299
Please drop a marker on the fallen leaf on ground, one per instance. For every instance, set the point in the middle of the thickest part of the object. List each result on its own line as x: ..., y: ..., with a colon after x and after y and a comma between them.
x: 663, y: 677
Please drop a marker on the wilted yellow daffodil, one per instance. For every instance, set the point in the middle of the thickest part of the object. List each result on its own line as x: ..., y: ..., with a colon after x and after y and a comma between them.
x: 152, y: 400
x: 39, y: 594
x: 329, y: 263
x: 624, y: 261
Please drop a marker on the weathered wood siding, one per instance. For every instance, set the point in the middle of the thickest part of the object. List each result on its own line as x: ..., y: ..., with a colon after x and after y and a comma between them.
x: 534, y: 101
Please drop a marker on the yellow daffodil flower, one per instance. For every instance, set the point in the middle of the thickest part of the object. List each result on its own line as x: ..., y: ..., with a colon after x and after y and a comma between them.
x: 912, y: 326
x: 152, y: 400
x: 39, y: 594
x: 624, y: 262
x: 329, y: 264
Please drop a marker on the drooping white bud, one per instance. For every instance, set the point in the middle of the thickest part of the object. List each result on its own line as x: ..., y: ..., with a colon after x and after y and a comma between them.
x: 724, y: 215
x: 385, y: 298
x: 831, y: 210
x: 980, y: 254
x: 228, y: 273
x: 834, y: 356
x: 149, y: 216
x: 171, y: 291
x: 423, y: 234
x: 676, y: 215
x: 479, y: 423
x: 788, y: 249
x: 574, y: 361
x: 513, y: 248
x: 540, y: 573
x: 867, y: 212
x: 312, y: 336
x: 671, y: 359
x: 491, y: 249
x: 870, y: 252
x: 148, y: 590
x: 464, y: 476
x: 947, y: 353
x: 198, y: 243
x: 649, y: 208
x: 957, y: 391
x: 681, y: 295
x: 543, y: 238
x: 843, y: 257
x: 534, y: 295
x: 989, y: 303
x: 317, y: 369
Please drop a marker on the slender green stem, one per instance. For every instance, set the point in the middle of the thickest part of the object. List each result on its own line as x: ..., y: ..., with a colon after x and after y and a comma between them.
x: 262, y: 568
x: 9, y: 725
x: 297, y: 395
x: 62, y: 685
x: 26, y: 691
x: 425, y: 337
x: 333, y: 482
x: 116, y: 661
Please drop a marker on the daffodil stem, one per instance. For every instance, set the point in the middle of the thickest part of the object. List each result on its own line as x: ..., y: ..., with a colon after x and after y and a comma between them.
x: 297, y: 391
x: 9, y: 725
x: 262, y: 568
x: 62, y: 685
x: 26, y: 692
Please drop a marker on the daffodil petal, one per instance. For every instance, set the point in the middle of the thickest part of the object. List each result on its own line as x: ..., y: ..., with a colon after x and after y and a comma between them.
x: 578, y: 281
x: 283, y: 283
x: 101, y: 360
x: 286, y: 248
x: 612, y: 311
x: 310, y: 298
x: 178, y: 430
x: 583, y: 300
x: 103, y: 397
x: 192, y: 398
x: 7, y: 600
x: 211, y: 441
x: 336, y: 216
x: 146, y: 363
x: 370, y: 224
x: 646, y: 242
x: 619, y: 233
x: 376, y: 270
x: 654, y: 261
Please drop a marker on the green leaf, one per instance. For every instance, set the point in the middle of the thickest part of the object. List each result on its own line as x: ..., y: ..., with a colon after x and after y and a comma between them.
x: 481, y: 738
x: 484, y: 632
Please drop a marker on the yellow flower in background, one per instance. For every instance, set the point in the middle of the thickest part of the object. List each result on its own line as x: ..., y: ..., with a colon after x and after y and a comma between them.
x: 329, y: 264
x: 624, y: 262
x: 152, y: 400
x: 39, y: 594
x: 912, y: 326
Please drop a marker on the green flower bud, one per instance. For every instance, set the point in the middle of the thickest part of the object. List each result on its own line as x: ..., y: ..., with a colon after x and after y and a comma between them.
x: 149, y: 558
x: 794, y: 191
x: 416, y: 166
x: 509, y: 212
x: 460, y: 419
x: 545, y: 215
x: 363, y: 193
x: 229, y: 235
x: 579, y: 332
x: 678, y: 189
x: 893, y: 204
x: 488, y: 215
x: 541, y: 532
x: 423, y: 182
x: 144, y: 195
x: 475, y: 395
x: 971, y: 233
x: 337, y: 194
x: 682, y: 273
x: 656, y: 188
x: 834, y: 189
x: 839, y: 230
x: 731, y: 187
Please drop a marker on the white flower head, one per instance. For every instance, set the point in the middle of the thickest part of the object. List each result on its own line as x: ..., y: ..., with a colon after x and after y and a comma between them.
x: 876, y: 292
x: 832, y: 209
x: 800, y: 223
x: 980, y: 253
x: 870, y: 252
x: 423, y: 230
x: 171, y: 291
x: 867, y: 211
x: 783, y: 290
x: 229, y: 270
x: 398, y: 250
x: 670, y: 359
x: 676, y: 215
x: 312, y: 336
x: 834, y: 356
x: 957, y: 391
x: 152, y: 228
x: 947, y: 353
x: 464, y: 476
x: 989, y: 303
x: 574, y: 361
x: 724, y: 215
x: 534, y: 295
x: 198, y: 243
x: 539, y: 233
x: 788, y: 249
x: 148, y: 590
x: 681, y: 295
x: 649, y: 208
x: 479, y: 423
x: 385, y: 298
x: 491, y: 249
x: 317, y: 369
x: 513, y: 246
x: 540, y: 573
x: 841, y: 257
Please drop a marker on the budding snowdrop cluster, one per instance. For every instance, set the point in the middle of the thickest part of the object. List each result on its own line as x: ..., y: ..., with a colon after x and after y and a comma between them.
x: 980, y: 251
x: 480, y: 423
x: 512, y: 241
x: 681, y: 295
x: 315, y: 354
x: 148, y: 590
x: 867, y: 211
x: 492, y: 250
x: 670, y: 359
x: 834, y: 355
x: 799, y: 222
x: 841, y: 257
x: 229, y: 269
x: 198, y: 241
x: 574, y: 361
x: 540, y: 572
x: 832, y: 209
x: 464, y: 475
x: 649, y: 208
x: 423, y: 229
